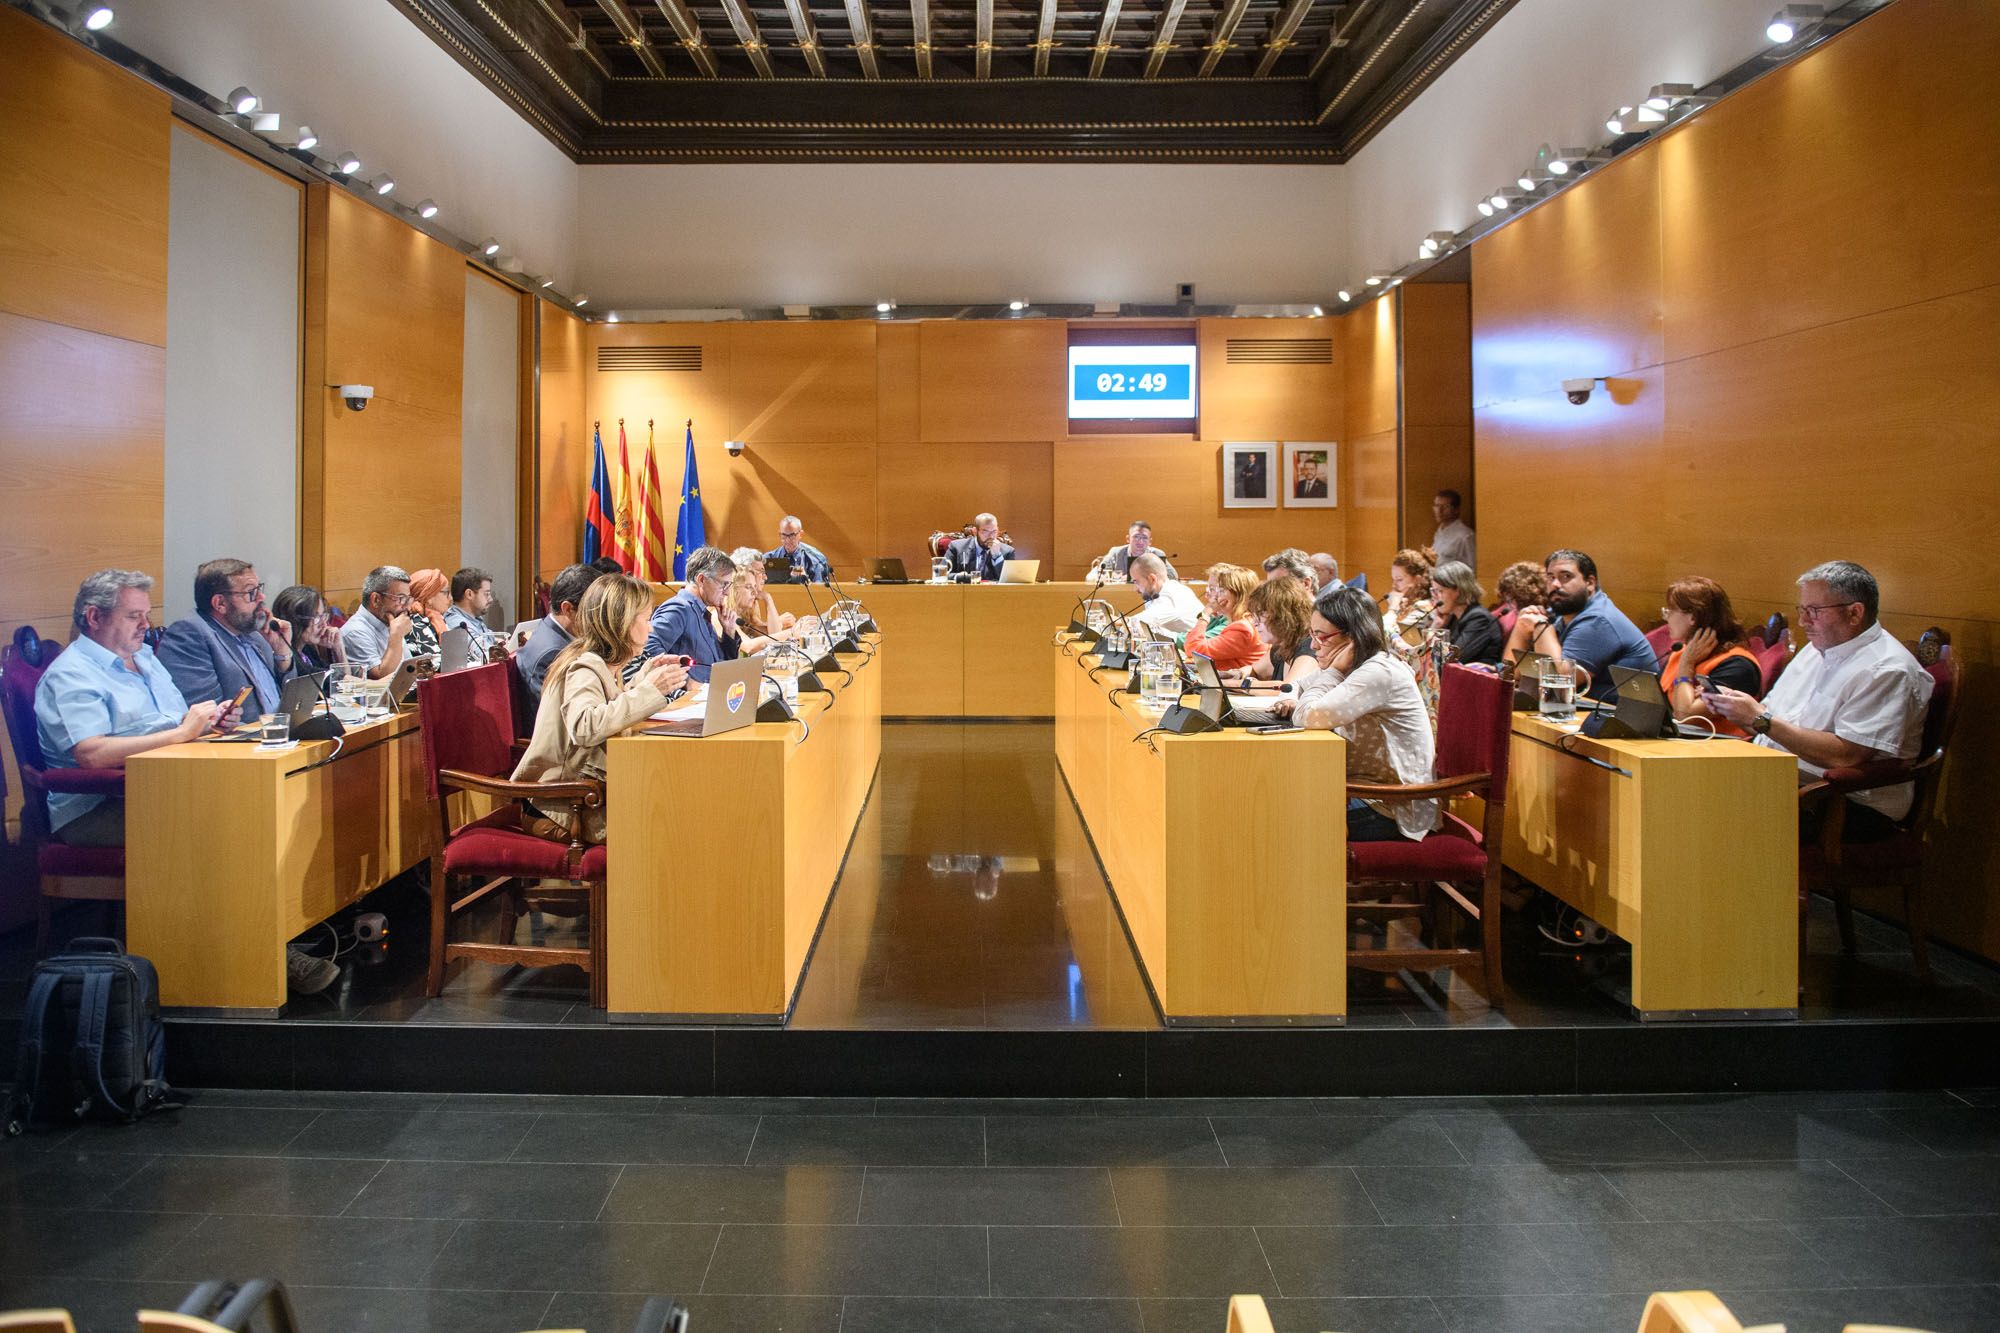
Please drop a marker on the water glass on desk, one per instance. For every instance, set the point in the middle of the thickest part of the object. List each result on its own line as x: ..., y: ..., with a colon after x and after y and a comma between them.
x: 275, y: 731
x: 940, y: 569
x: 347, y: 692
x: 1558, y: 691
x: 1159, y: 677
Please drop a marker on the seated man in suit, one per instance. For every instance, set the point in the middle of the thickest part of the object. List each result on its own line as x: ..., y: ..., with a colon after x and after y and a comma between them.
x: 697, y: 621
x: 1582, y: 626
x: 471, y: 599
x: 1170, y: 605
x: 809, y: 564
x: 554, y: 630
x: 373, y: 636
x: 1853, y: 695
x: 982, y: 553
x: 231, y: 641
x: 1138, y: 540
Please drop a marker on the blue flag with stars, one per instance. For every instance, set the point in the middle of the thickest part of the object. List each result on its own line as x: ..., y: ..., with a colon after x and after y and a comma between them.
x: 690, y: 533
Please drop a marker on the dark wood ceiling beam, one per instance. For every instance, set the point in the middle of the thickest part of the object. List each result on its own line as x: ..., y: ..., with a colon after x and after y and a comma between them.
x: 745, y: 25
x: 802, y: 28
x: 688, y: 29
x: 1280, y: 38
x: 1163, y: 37
x: 1045, y: 36
x: 983, y: 38
x: 1105, y: 29
x: 1219, y: 39
x: 863, y: 29
x: 576, y: 39
x: 1340, y: 35
x: 634, y: 34
x: 920, y: 35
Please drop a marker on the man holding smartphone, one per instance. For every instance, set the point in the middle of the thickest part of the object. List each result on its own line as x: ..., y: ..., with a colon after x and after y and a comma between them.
x: 232, y: 643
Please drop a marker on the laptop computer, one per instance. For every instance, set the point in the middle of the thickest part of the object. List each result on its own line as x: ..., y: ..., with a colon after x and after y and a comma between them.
x: 1019, y: 571
x: 1641, y: 712
x: 734, y: 689
x: 887, y: 569
x: 777, y: 569
x: 300, y: 696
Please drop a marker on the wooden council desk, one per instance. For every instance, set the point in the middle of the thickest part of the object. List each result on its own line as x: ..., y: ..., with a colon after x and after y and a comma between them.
x: 232, y: 850
x: 1227, y: 853
x: 1687, y: 850
x: 725, y: 852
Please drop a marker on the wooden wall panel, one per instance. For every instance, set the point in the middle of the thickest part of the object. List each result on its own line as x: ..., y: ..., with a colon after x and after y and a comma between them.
x: 1263, y: 402
x: 897, y: 375
x: 802, y: 383
x: 1437, y: 403
x: 1843, y: 184
x: 562, y: 440
x: 992, y: 380
x: 1369, y: 496
x: 1368, y: 365
x: 922, y: 487
x: 83, y: 152
x: 830, y: 488
x: 670, y: 398
x: 385, y: 305
x: 1370, y: 492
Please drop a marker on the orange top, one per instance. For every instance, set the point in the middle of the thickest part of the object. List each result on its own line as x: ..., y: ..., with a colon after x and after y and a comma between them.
x: 1670, y: 668
x: 1234, y: 645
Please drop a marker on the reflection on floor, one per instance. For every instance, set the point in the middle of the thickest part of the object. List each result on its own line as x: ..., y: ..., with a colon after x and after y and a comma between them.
x: 971, y: 899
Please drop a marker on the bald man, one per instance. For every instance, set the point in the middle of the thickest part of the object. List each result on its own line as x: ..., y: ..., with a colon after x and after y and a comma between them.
x: 809, y: 564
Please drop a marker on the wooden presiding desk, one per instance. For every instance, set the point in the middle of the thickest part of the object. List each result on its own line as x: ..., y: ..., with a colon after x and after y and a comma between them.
x: 724, y: 852
x: 1687, y: 850
x: 1226, y: 851
x: 231, y: 850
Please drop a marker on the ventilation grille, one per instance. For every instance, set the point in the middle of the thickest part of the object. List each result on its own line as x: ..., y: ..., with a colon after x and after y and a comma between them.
x: 649, y: 358
x: 1280, y: 351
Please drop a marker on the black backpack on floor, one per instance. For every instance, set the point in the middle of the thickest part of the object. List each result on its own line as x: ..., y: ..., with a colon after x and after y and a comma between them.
x: 92, y: 1045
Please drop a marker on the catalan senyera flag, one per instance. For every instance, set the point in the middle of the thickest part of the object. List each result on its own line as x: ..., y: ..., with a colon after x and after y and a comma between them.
x: 600, y: 530
x: 690, y: 532
x: 652, y: 521
x: 627, y: 553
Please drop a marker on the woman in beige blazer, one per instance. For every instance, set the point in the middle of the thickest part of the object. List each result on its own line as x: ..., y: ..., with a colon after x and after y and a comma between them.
x: 583, y: 702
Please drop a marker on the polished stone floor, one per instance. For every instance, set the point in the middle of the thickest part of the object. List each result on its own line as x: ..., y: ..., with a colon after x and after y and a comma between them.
x: 487, y: 1214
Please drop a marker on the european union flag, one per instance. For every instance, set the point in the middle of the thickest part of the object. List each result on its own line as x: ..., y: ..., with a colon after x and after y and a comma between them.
x: 690, y: 533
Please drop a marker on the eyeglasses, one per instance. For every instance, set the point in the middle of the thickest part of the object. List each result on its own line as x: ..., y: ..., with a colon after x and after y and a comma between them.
x: 1809, y: 612
x: 1328, y: 636
x: 253, y: 592
x: 397, y: 599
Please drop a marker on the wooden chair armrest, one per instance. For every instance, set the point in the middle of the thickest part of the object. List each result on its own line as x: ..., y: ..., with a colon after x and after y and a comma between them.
x: 581, y: 791
x: 1463, y: 785
x: 1864, y: 777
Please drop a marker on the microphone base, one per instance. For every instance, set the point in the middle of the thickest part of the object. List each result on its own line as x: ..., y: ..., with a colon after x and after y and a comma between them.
x: 320, y: 727
x: 774, y: 709
x: 810, y: 683
x: 1116, y: 661
x: 1187, y: 721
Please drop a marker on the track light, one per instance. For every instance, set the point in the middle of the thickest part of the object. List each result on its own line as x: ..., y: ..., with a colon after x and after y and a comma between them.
x: 611, y: 318
x: 307, y: 140
x: 383, y: 184
x: 581, y: 301
x: 1790, y: 21
x: 489, y: 247
x: 548, y: 283
x: 346, y: 163
x: 1526, y: 180
x: 96, y: 18
x: 1665, y: 95
x: 1017, y: 306
x: 884, y: 307
x: 1501, y: 199
x: 1485, y: 208
x: 242, y: 101
x: 1619, y: 121
x: 1345, y: 294
x: 1377, y: 279
x: 427, y: 208
x: 1438, y: 240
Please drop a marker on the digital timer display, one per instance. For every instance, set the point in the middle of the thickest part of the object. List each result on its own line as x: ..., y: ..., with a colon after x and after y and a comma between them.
x: 1153, y: 382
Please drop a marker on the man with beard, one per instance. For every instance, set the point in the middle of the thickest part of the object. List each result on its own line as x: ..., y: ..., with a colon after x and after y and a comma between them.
x: 231, y: 641
x: 1581, y: 626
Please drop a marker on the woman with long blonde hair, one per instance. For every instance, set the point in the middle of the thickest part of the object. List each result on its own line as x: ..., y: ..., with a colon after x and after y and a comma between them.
x: 1227, y: 639
x: 584, y: 703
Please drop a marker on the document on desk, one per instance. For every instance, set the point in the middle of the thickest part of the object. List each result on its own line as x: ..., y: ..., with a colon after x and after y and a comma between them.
x: 691, y: 709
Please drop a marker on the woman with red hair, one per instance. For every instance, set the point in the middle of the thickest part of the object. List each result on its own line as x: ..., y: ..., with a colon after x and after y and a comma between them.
x: 1708, y: 641
x: 430, y: 598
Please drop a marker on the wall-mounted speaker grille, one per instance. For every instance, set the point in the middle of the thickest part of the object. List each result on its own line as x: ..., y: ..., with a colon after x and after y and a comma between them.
x: 649, y: 358
x: 1279, y: 351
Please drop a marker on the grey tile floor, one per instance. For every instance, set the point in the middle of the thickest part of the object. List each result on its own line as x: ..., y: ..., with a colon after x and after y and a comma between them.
x: 490, y: 1214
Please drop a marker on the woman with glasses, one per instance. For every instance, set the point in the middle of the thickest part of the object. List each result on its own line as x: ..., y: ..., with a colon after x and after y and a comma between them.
x: 314, y: 638
x: 1227, y: 638
x: 430, y: 598
x: 1368, y: 695
x: 1281, y: 613
x: 1709, y: 645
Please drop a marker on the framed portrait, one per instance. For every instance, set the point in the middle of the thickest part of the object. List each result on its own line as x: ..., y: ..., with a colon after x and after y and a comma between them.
x: 1312, y: 474
x: 1250, y: 475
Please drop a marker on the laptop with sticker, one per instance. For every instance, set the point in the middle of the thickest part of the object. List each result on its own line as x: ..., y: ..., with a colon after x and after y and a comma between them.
x: 734, y: 689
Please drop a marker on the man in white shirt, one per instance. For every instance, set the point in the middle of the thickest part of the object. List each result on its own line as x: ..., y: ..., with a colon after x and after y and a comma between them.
x: 1453, y: 540
x: 1852, y: 695
x: 1170, y: 605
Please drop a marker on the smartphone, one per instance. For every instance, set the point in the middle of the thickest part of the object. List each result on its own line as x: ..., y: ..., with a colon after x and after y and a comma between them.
x: 1271, y: 729
x: 225, y: 709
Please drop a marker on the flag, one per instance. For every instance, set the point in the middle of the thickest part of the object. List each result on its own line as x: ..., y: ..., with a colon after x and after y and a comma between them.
x: 627, y: 553
x: 652, y: 522
x: 600, y: 532
x: 690, y: 533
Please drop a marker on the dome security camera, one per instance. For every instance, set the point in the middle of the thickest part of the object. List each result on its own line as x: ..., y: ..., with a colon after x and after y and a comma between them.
x: 1579, y: 390
x: 736, y: 447
x: 356, y: 396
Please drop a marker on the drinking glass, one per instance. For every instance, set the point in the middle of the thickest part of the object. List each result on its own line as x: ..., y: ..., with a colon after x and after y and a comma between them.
x: 940, y: 569
x: 276, y: 730
x: 348, y: 694
x: 1159, y: 679
x: 1558, y: 694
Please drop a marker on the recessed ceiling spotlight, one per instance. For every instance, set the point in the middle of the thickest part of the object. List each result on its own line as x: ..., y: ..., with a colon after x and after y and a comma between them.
x: 346, y: 163
x: 548, y: 282
x: 489, y: 247
x: 383, y: 184
x: 1790, y: 21
x: 1345, y: 294
x: 582, y: 301
x: 611, y: 318
x: 96, y: 18
x: 242, y: 101
x: 1017, y: 306
x: 427, y: 208
x: 884, y: 307
x: 1317, y: 312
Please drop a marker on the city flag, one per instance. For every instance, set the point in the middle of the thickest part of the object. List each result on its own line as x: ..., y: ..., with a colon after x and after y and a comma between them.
x: 652, y: 525
x: 690, y: 533
x: 600, y: 532
x: 627, y: 553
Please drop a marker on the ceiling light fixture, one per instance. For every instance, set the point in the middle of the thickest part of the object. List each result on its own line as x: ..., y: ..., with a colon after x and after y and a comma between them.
x: 1440, y: 240
x: 1377, y: 279
x: 96, y: 18
x: 548, y: 282
x: 1345, y: 294
x: 1526, y: 180
x: 489, y: 247
x: 581, y: 302
x: 1502, y: 198
x: 1619, y: 121
x: 307, y: 140
x: 1317, y: 312
x: 242, y: 101
x: 427, y: 208
x: 1790, y: 21
x: 1665, y: 95
x: 1486, y: 208
x: 383, y: 184
x: 884, y: 307
x: 346, y: 163
x: 611, y: 318
x: 1017, y: 306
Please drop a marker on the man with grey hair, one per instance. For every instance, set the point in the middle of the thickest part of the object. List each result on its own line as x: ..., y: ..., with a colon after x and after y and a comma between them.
x: 1852, y: 695
x: 1291, y: 561
x: 373, y: 635
x: 1170, y: 606
x: 1325, y: 570
x: 105, y: 699
x: 697, y: 622
x: 982, y: 553
x: 808, y: 563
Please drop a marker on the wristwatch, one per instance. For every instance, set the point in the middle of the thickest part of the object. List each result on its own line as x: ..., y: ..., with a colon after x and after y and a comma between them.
x: 1762, y: 726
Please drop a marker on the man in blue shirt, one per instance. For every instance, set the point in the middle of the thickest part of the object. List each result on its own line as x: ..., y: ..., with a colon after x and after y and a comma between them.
x: 1582, y: 626
x: 231, y: 641
x: 808, y: 564
x: 471, y: 599
x: 107, y: 698
x: 982, y: 553
x: 682, y: 624
x: 373, y: 636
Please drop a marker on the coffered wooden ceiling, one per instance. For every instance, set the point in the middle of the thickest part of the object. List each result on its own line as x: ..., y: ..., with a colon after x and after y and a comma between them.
x: 956, y: 80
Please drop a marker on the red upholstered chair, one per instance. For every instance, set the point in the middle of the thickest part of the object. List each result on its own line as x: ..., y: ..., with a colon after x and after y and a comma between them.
x: 1834, y: 867
x: 468, y: 733
x: 62, y: 872
x: 1771, y: 660
x: 1460, y: 863
x: 1661, y: 640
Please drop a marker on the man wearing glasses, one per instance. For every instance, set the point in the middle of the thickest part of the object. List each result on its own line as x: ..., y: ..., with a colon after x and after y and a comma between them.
x: 697, y: 622
x: 1852, y: 695
x: 373, y: 635
x: 232, y: 641
x: 809, y: 564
